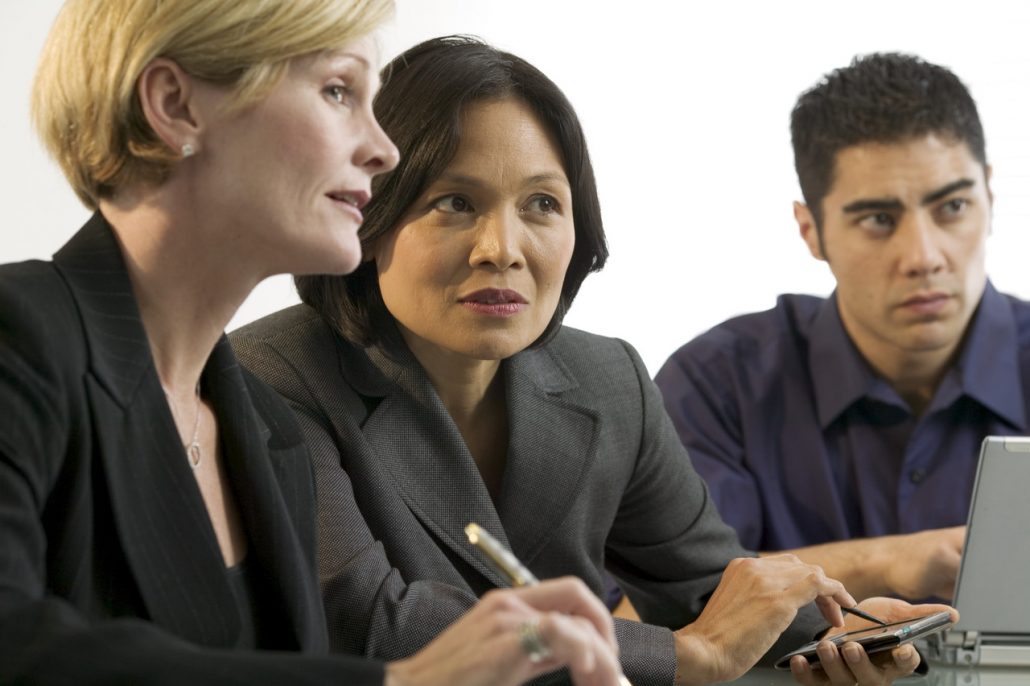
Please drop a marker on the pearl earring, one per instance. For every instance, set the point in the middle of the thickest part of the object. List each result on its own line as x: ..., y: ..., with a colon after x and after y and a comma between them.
x: 187, y: 150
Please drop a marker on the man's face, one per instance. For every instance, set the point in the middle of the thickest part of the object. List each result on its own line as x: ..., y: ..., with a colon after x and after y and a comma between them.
x: 904, y: 232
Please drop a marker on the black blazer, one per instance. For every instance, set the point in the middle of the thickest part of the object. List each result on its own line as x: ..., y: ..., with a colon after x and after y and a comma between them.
x: 596, y: 479
x: 109, y: 567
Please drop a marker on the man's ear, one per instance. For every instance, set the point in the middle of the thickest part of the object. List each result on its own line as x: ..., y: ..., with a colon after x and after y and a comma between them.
x: 809, y: 232
x: 166, y: 96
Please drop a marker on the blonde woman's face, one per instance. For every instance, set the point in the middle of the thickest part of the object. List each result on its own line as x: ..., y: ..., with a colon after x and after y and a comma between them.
x: 292, y: 172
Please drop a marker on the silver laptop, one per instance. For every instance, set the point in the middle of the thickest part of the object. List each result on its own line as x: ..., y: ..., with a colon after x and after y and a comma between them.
x: 992, y: 593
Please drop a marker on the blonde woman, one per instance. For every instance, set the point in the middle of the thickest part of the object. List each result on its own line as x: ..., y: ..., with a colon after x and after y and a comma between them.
x: 156, y: 501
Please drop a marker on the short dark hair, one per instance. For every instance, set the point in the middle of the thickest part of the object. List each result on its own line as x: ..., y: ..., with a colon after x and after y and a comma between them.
x: 878, y: 98
x: 425, y: 91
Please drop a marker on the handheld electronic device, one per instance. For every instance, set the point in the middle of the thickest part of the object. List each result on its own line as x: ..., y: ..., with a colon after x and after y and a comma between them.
x: 876, y: 639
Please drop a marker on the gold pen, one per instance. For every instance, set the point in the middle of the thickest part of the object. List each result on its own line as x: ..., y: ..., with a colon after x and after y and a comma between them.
x: 505, y: 563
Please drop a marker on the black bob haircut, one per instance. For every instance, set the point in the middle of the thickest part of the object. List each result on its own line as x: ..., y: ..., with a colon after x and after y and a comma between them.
x: 425, y: 91
x: 878, y: 98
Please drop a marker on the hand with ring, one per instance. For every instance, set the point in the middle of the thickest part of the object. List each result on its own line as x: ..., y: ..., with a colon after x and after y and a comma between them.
x: 514, y: 635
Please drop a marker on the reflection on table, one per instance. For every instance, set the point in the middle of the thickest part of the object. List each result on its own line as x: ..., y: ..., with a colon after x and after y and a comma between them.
x: 939, y: 675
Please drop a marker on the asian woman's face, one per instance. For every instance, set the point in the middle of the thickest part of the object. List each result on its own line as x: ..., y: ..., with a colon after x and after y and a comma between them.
x: 292, y: 172
x: 476, y: 266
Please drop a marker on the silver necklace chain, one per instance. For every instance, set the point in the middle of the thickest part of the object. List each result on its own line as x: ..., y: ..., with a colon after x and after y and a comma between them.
x: 193, y: 453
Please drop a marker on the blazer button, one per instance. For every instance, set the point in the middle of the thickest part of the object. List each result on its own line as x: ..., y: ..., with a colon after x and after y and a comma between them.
x: 917, y: 475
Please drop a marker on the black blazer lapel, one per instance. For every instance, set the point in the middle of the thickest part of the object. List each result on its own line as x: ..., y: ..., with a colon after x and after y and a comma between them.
x: 271, y: 474
x: 552, y: 444
x: 420, y: 447
x: 158, y: 511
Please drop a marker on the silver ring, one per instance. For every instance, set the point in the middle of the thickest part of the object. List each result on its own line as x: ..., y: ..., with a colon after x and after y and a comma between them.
x: 532, y: 642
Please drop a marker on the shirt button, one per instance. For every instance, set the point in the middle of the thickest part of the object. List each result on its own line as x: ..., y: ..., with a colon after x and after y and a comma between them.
x: 917, y: 475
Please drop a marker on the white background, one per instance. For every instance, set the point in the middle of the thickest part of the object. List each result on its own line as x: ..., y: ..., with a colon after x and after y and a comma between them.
x: 686, y: 110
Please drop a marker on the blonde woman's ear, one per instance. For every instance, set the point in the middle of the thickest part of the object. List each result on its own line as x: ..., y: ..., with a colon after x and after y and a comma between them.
x: 166, y: 96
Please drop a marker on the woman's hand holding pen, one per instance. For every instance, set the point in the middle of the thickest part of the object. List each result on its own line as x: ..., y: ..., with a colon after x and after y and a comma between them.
x: 754, y: 603
x: 494, y: 643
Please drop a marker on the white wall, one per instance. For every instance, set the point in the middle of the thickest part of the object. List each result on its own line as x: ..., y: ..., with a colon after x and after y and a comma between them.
x: 686, y: 110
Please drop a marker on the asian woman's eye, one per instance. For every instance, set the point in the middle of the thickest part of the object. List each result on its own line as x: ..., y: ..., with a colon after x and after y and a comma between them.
x: 452, y: 204
x: 544, y: 204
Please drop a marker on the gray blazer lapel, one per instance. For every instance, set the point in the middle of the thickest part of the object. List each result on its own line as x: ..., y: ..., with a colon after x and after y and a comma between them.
x: 552, y: 442
x: 420, y: 447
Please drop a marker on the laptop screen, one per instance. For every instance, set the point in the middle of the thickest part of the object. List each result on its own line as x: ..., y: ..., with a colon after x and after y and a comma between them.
x: 993, y: 589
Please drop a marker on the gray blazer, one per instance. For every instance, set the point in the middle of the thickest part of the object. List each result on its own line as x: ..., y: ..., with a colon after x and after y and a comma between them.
x: 596, y: 479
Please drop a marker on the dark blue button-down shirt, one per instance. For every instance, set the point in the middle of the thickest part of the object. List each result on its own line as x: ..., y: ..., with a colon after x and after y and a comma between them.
x: 802, y: 443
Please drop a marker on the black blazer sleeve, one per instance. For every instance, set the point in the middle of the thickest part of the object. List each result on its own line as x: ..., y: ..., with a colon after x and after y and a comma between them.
x: 45, y: 638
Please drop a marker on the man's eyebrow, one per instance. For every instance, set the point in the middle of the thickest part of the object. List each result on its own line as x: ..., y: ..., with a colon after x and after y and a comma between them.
x: 888, y: 204
x: 945, y: 191
x: 879, y: 204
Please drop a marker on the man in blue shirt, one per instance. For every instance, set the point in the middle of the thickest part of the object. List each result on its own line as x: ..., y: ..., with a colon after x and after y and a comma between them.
x: 847, y: 430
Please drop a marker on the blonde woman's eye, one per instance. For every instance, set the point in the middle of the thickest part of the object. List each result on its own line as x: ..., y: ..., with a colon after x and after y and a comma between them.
x: 338, y: 93
x: 453, y: 204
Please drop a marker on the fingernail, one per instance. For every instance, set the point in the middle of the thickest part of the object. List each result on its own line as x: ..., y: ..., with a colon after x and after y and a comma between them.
x: 852, y: 653
x: 797, y: 664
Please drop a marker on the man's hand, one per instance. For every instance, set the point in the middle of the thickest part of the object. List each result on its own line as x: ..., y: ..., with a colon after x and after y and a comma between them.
x: 754, y: 603
x: 912, y: 566
x: 850, y: 664
x: 926, y: 564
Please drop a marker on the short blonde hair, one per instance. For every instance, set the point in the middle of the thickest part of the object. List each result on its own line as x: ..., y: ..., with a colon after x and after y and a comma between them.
x: 84, y: 102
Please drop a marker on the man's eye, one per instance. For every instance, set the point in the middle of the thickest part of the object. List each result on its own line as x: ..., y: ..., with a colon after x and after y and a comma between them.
x: 880, y: 221
x: 452, y: 204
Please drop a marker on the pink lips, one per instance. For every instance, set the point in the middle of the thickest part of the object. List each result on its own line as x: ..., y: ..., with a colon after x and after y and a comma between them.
x: 351, y: 202
x: 494, y: 302
x: 926, y: 303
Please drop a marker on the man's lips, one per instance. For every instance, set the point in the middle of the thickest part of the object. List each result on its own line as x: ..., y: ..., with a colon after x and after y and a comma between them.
x: 925, y: 297
x: 926, y: 302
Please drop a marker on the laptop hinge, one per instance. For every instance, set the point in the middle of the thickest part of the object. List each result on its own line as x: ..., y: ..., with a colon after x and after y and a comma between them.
x: 978, y: 648
x: 968, y: 650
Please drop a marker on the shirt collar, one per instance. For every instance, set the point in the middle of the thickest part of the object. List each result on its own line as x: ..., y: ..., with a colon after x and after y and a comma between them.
x: 988, y: 364
x: 840, y: 375
x: 987, y: 368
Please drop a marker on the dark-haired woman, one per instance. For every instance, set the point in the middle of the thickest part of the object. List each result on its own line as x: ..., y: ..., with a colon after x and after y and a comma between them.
x: 437, y: 386
x: 157, y: 507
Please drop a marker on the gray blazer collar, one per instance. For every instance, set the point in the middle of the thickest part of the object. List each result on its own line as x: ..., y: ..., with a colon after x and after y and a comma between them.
x: 552, y: 441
